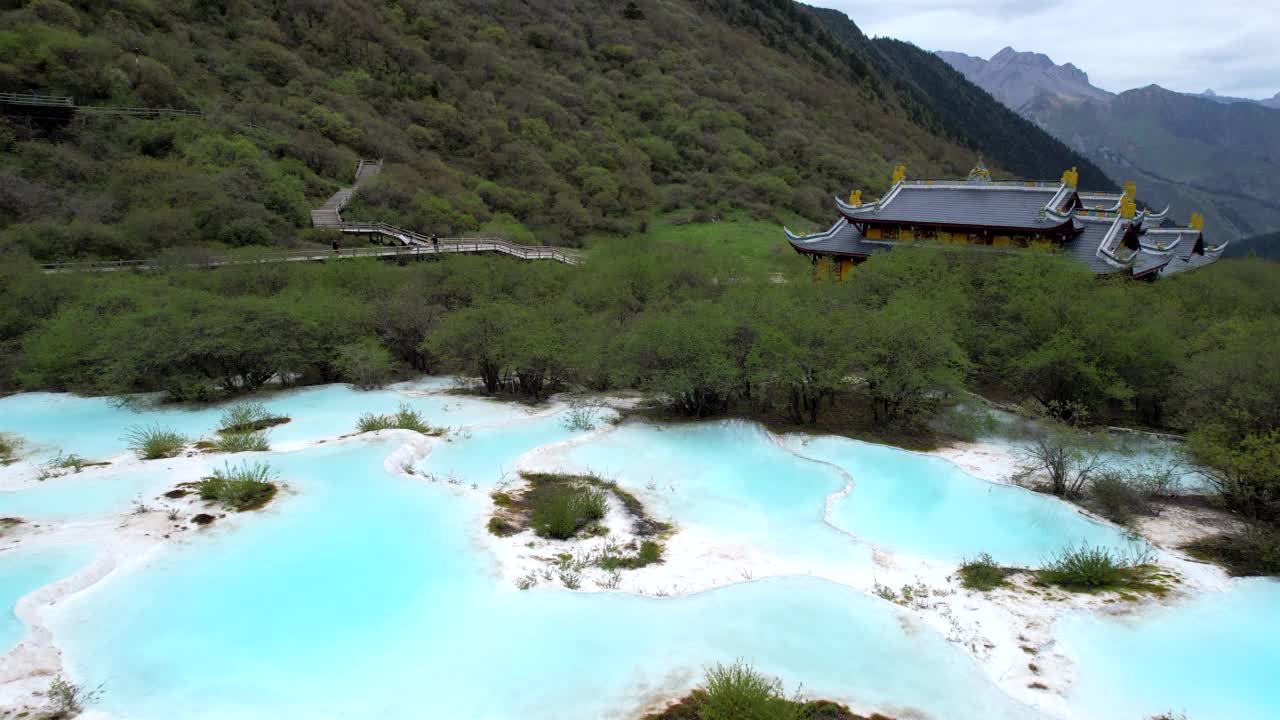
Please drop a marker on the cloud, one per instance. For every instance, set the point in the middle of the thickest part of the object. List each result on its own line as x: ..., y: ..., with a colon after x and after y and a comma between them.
x: 1228, y: 45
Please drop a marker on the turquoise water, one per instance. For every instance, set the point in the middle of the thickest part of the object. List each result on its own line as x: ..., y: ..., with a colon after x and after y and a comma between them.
x: 487, y: 456
x: 362, y: 595
x: 95, y: 428
x: 367, y: 594
x: 729, y: 477
x: 23, y: 570
x: 87, y: 493
x: 929, y: 507
x: 1213, y: 656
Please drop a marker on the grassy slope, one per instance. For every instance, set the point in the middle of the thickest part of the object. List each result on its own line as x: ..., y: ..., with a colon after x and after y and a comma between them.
x: 544, y: 120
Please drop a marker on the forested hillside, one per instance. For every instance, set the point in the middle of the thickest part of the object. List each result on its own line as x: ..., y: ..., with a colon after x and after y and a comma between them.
x: 939, y: 97
x: 543, y: 121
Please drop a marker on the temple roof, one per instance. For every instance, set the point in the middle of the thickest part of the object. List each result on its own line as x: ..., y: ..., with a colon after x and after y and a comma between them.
x: 966, y: 204
x: 842, y: 238
x: 1091, y: 227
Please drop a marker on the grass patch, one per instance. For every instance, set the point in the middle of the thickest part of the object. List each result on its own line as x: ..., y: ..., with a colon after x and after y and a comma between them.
x: 1255, y: 551
x: 9, y: 446
x: 559, y: 511
x: 981, y: 573
x: 246, y: 487
x: 562, y: 506
x: 405, y: 418
x: 244, y: 418
x: 242, y: 442
x: 739, y: 692
x: 1085, y: 568
x: 152, y: 442
x: 650, y: 552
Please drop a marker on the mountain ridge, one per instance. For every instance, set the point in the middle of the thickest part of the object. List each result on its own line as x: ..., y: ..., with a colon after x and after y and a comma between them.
x: 1196, y: 153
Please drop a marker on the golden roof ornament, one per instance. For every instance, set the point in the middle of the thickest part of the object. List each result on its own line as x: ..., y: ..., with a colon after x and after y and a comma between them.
x: 899, y: 174
x: 1197, y: 221
x: 980, y: 173
x: 1071, y: 178
x: 855, y: 197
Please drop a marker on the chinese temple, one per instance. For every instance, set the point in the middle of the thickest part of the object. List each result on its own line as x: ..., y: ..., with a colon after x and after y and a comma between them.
x: 1105, y: 231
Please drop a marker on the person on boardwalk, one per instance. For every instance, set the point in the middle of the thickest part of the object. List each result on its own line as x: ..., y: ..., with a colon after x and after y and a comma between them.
x: 435, y: 243
x: 336, y: 246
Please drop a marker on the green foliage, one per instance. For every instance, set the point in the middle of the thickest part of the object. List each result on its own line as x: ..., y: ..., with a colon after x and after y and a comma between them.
x: 9, y: 446
x: 1255, y: 550
x: 650, y: 553
x: 153, y: 442
x: 981, y: 573
x: 1088, y: 568
x: 242, y: 442
x: 738, y: 692
x: 1117, y: 497
x: 69, y: 699
x: 247, y: 417
x: 405, y: 418
x: 560, y: 510
x: 365, y: 363
x: 1245, y: 472
x: 587, y: 120
x: 240, y: 488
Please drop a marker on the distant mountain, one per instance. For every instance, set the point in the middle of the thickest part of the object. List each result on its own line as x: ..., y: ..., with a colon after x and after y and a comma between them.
x: 1018, y: 78
x: 1264, y: 246
x: 1199, y: 153
x: 1228, y: 100
x: 938, y: 97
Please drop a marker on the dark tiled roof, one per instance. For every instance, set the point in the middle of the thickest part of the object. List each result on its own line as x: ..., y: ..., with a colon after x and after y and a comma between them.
x: 1147, y: 262
x: 1084, y: 246
x: 976, y: 205
x: 842, y: 239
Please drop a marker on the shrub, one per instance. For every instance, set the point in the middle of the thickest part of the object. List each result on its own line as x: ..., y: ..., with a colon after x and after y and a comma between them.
x: 1253, y: 551
x: 242, y: 442
x: 561, y: 510
x: 9, y: 445
x: 154, y: 442
x: 737, y: 692
x: 1086, y: 567
x: 243, y: 418
x: 372, y: 422
x: 649, y: 554
x: 1117, y: 498
x: 246, y: 487
x: 69, y: 699
x: 981, y: 573
x: 405, y: 418
x: 365, y: 364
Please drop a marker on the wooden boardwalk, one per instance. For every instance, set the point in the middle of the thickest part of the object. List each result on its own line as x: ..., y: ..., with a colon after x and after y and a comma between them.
x: 447, y: 246
x: 329, y: 217
x: 404, y: 243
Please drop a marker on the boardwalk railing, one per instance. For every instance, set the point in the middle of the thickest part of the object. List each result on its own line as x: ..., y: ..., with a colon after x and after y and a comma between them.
x: 446, y: 246
x: 412, y: 239
x: 328, y: 216
x: 63, y: 102
x: 35, y: 100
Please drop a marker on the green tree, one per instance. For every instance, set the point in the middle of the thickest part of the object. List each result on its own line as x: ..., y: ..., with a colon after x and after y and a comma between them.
x: 909, y: 360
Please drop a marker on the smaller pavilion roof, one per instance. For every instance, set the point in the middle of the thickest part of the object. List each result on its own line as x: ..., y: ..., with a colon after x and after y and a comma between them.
x: 842, y: 239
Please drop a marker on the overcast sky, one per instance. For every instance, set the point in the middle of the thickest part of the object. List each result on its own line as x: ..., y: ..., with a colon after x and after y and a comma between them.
x: 1231, y: 46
